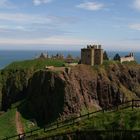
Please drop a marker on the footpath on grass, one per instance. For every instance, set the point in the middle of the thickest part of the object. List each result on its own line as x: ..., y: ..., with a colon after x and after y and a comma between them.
x: 19, y: 126
x: 67, y: 123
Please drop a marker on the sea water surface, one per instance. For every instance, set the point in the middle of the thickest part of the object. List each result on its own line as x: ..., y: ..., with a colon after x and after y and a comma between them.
x: 7, y: 56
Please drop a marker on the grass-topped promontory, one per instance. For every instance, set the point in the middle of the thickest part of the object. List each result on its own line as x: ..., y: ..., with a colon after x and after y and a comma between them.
x: 109, y: 63
x: 35, y: 64
x: 42, y: 63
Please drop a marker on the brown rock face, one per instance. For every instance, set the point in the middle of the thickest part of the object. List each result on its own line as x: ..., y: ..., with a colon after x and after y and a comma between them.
x: 46, y: 96
x: 54, y: 95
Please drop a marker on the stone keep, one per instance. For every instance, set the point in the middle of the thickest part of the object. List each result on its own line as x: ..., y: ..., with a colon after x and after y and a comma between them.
x: 92, y: 55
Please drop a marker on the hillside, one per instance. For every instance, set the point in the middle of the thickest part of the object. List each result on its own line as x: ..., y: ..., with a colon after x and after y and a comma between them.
x: 58, y: 95
x: 14, y: 79
x: 84, y: 88
x: 99, y: 126
x: 35, y: 64
x: 122, y: 123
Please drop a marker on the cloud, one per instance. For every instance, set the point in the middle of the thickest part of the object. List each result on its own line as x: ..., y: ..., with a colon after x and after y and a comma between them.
x: 93, y: 6
x: 137, y: 4
x: 55, y: 40
x: 24, y: 18
x: 135, y: 26
x: 6, y: 4
x: 10, y: 28
x: 39, y: 2
x: 19, y: 24
x: 36, y: 19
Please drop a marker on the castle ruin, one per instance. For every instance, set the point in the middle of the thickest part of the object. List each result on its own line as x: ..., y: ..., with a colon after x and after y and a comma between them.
x: 92, y: 55
x: 127, y: 58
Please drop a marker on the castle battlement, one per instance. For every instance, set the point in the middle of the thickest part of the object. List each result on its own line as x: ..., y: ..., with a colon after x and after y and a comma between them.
x: 94, y: 47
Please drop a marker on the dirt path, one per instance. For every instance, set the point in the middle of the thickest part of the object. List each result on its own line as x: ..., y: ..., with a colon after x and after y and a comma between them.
x: 19, y: 125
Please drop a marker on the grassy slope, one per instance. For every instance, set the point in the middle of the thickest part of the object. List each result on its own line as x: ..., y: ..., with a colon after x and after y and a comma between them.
x: 28, y: 124
x: 7, y: 124
x: 35, y: 64
x: 124, y: 119
x: 102, y: 121
x: 7, y: 120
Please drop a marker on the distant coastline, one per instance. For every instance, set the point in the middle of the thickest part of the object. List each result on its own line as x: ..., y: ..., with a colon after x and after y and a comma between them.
x: 7, y: 56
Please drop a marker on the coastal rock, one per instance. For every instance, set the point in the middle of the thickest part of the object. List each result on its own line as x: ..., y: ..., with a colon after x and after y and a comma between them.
x: 51, y: 95
x: 60, y: 95
x: 14, y: 85
x: 46, y: 95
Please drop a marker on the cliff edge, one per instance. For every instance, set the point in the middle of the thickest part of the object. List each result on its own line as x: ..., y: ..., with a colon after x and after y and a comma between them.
x: 53, y: 95
x: 58, y: 94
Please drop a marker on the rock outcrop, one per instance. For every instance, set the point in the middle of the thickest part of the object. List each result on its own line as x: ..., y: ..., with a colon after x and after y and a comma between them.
x: 51, y: 94
x: 14, y: 86
x: 58, y: 95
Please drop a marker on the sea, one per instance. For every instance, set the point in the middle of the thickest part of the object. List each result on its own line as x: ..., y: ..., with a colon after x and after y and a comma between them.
x: 9, y: 56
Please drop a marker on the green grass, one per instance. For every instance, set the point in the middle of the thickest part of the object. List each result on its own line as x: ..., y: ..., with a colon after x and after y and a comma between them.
x: 28, y: 124
x: 124, y: 120
x: 35, y: 64
x: 8, y: 124
x: 130, y: 63
x: 26, y: 119
x: 84, y: 110
x: 106, y: 64
x: 109, y: 62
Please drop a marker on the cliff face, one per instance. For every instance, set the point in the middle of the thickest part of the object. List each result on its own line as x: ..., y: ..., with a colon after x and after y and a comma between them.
x: 14, y: 85
x: 52, y: 95
x: 46, y: 95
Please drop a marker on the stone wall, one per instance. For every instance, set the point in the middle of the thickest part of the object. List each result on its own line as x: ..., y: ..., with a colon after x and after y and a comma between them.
x: 87, y: 56
x: 98, y: 58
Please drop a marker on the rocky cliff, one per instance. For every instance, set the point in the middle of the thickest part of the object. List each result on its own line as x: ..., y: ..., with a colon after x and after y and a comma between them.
x: 14, y: 84
x: 59, y: 94
x: 52, y: 95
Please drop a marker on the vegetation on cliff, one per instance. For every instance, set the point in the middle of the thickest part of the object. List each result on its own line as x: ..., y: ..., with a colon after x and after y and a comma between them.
x: 121, y: 120
x: 49, y: 96
x: 14, y: 79
x: 84, y: 88
x: 35, y: 64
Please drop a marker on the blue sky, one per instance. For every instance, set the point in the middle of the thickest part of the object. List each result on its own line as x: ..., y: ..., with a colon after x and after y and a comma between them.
x: 70, y: 24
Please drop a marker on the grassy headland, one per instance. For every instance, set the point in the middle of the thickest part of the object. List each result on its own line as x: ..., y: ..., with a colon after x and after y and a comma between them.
x: 35, y: 64
x: 16, y: 77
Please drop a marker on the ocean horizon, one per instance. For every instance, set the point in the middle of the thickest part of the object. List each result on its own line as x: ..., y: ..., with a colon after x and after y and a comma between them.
x: 9, y: 56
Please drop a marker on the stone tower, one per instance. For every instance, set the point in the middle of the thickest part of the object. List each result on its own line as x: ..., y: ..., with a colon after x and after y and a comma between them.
x: 92, y: 55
